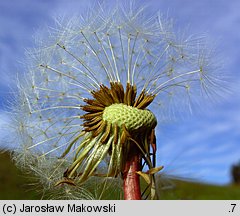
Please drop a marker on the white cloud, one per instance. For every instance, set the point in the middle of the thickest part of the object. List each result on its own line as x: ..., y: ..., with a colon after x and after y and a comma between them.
x: 18, y: 21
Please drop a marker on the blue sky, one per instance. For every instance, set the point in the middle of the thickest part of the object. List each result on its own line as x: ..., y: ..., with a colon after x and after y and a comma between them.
x: 201, y: 147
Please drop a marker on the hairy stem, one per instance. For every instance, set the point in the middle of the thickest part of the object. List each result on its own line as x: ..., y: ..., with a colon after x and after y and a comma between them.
x: 131, y: 180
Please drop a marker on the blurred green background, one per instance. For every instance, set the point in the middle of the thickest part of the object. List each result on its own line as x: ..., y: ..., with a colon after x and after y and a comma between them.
x: 15, y: 184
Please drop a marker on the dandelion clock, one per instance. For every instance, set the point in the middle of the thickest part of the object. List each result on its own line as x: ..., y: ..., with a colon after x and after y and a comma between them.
x: 95, y: 90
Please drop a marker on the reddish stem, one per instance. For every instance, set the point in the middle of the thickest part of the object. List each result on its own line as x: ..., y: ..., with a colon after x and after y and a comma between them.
x: 131, y: 180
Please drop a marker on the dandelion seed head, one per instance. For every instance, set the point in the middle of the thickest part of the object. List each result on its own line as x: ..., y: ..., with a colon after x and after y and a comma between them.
x: 89, y: 88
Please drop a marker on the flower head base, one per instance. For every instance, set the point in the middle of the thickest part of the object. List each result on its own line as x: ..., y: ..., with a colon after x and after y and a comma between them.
x: 115, y: 120
x: 134, y: 119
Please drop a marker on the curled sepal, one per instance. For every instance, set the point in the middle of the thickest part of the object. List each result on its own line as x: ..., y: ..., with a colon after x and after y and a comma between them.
x: 148, y: 177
